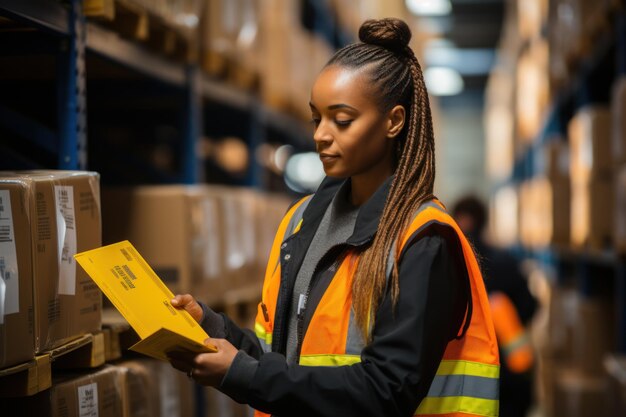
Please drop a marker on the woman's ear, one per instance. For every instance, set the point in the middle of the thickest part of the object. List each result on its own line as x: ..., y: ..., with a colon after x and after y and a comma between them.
x: 395, y: 120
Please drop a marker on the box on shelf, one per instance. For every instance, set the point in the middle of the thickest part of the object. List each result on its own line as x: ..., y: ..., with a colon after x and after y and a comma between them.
x: 591, y: 214
x: 219, y: 25
x: 557, y: 197
x: 499, y: 125
x: 176, y: 228
x: 17, y: 328
x: 619, y: 238
x: 154, y: 388
x: 589, y: 133
x: 64, y: 208
x: 615, y: 365
x: 99, y: 393
x: 504, y: 220
x: 618, y: 115
x: 535, y: 212
x: 533, y: 90
x: 579, y: 395
x: 593, y: 334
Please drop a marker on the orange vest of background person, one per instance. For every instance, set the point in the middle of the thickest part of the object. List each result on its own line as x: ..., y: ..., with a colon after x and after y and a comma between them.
x: 511, y: 334
x: 467, y: 380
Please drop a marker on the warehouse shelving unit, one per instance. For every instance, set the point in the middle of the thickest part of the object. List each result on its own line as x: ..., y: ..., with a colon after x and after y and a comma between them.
x: 172, y: 96
x: 592, y: 272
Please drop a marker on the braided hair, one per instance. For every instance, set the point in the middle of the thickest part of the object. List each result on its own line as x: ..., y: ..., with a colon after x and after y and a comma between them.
x: 396, y: 78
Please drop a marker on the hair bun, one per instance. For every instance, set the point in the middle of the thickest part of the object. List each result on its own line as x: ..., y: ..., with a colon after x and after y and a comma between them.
x: 390, y: 33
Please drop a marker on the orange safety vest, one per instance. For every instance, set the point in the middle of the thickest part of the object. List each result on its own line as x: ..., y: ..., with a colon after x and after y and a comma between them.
x: 467, y: 380
x: 511, y: 333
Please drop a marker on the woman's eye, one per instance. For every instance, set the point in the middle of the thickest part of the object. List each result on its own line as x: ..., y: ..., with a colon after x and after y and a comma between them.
x: 343, y: 123
x: 315, y: 121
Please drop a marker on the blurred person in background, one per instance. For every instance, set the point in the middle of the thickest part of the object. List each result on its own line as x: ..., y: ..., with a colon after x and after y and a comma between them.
x: 512, y: 305
x: 373, y: 303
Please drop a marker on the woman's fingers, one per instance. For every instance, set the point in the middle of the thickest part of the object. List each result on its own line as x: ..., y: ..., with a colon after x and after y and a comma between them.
x: 181, y: 301
x: 189, y: 304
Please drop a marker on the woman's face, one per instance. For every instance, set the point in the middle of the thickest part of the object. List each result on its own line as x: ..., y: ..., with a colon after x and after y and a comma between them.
x: 351, y: 133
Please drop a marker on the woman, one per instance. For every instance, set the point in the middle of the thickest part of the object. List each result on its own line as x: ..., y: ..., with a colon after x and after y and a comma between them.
x: 373, y: 303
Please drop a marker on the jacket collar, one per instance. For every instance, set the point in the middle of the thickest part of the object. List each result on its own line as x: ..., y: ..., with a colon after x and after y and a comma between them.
x: 369, y: 214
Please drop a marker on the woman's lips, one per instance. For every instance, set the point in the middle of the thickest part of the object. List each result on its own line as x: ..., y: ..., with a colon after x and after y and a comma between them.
x: 325, y: 157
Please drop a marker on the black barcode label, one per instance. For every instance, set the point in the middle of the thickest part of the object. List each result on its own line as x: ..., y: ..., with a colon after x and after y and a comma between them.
x: 5, y: 233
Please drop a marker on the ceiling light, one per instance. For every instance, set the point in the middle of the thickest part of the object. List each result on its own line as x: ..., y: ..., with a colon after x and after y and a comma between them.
x: 442, y: 81
x: 429, y: 7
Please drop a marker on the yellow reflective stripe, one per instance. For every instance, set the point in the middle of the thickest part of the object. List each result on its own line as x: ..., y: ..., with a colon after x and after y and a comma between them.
x: 262, y: 334
x: 297, y: 229
x: 451, y: 367
x: 469, y: 405
x: 329, y: 360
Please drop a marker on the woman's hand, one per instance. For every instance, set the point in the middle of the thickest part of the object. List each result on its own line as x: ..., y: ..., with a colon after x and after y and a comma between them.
x: 206, y: 368
x: 188, y: 303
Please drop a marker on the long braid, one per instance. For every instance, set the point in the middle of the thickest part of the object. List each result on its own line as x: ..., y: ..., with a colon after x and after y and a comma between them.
x: 396, y: 74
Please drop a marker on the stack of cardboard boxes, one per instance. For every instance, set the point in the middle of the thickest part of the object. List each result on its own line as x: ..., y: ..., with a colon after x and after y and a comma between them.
x: 579, y: 333
x: 204, y: 240
x: 45, y: 218
x: 591, y: 177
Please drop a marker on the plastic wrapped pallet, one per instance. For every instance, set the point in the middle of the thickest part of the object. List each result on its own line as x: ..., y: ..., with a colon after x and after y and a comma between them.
x: 64, y: 213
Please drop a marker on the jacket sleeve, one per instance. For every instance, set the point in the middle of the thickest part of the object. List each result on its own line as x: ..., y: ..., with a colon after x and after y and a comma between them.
x: 222, y: 327
x: 396, y: 368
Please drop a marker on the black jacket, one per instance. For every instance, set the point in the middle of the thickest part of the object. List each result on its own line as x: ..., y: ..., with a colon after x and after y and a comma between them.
x: 408, y: 342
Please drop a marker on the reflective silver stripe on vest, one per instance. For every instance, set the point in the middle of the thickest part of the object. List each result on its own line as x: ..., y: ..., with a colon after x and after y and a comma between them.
x: 465, y: 386
x: 354, y: 342
x: 297, y: 216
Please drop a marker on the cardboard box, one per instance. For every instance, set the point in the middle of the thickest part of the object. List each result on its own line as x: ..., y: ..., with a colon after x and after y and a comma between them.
x: 593, y: 334
x: 589, y: 133
x: 618, y: 115
x: 75, y: 395
x: 179, y: 230
x: 619, y: 238
x: 591, y: 213
x: 578, y: 395
x: 615, y: 365
x: 532, y: 90
x: 64, y: 208
x: 154, y: 388
x: 17, y: 328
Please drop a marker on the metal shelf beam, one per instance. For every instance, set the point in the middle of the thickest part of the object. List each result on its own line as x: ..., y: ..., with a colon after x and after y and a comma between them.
x: 45, y: 14
x: 136, y: 57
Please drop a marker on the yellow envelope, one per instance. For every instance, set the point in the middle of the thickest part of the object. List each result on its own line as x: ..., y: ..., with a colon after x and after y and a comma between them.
x: 144, y: 301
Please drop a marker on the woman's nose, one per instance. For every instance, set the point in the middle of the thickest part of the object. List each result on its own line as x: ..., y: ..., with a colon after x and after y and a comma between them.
x: 321, y: 134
